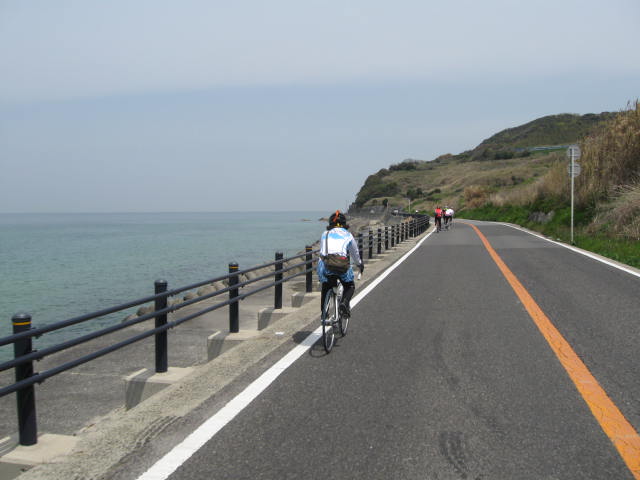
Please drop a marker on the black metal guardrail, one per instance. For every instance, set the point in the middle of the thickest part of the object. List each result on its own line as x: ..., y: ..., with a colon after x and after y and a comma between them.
x: 24, y: 332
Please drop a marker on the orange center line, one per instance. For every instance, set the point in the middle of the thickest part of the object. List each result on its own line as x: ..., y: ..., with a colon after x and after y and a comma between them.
x: 615, y: 425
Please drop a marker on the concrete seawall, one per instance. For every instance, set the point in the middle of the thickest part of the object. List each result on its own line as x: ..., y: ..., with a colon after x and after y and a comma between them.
x: 91, y: 416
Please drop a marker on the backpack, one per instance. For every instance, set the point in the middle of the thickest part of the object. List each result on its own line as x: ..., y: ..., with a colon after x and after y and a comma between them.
x: 335, y: 262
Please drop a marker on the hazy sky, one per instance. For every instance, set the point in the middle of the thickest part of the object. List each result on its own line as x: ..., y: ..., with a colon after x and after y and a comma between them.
x: 204, y: 105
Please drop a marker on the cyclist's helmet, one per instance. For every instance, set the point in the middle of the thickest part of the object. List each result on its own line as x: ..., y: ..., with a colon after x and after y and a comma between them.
x: 337, y: 219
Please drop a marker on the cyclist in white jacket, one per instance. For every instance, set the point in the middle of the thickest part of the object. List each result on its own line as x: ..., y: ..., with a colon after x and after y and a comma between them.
x: 338, y: 240
x: 448, y: 216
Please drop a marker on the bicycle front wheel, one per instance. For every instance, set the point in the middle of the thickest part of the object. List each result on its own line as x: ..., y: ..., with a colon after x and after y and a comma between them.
x: 329, y: 310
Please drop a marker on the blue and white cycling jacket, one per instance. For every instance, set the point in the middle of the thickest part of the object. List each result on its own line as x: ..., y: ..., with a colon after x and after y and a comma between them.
x: 339, y: 241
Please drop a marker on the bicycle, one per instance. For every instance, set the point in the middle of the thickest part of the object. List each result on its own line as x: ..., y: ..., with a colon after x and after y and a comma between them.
x: 332, y: 321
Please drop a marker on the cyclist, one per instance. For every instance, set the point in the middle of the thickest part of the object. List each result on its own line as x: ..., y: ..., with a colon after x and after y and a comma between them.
x: 448, y: 216
x: 337, y: 240
x: 438, y: 218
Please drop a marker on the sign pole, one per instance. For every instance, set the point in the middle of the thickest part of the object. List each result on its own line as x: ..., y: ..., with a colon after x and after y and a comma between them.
x: 574, y: 170
x: 572, y: 182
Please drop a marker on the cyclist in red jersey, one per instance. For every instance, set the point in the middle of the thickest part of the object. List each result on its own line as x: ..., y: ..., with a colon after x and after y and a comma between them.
x: 438, y: 218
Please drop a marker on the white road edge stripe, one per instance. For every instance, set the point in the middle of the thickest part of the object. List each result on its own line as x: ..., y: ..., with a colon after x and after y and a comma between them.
x: 575, y: 249
x: 205, y: 432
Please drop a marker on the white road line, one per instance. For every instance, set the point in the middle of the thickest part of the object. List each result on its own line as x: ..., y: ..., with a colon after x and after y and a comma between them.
x: 205, y: 432
x: 575, y: 249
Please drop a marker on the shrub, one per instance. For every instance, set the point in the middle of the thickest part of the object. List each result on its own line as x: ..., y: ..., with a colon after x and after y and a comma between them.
x: 405, y: 165
x: 374, y: 187
x: 475, y: 196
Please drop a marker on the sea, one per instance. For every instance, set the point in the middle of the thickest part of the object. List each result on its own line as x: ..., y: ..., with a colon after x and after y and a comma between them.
x: 59, y: 266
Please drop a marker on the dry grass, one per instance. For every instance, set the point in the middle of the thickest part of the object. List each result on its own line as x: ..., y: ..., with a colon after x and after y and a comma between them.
x: 452, y: 179
x: 610, y: 157
x: 621, y: 216
x: 475, y: 196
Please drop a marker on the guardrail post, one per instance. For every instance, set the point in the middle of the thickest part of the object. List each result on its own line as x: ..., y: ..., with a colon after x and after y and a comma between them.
x: 370, y: 243
x: 162, y: 356
x: 386, y: 237
x: 360, y: 246
x: 379, y: 240
x: 277, y: 302
x: 309, y: 267
x: 26, y: 396
x: 234, y: 312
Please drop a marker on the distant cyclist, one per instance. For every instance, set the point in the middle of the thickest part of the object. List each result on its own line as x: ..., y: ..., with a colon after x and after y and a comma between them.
x: 449, y: 213
x: 448, y: 216
x: 337, y: 242
x: 438, y: 218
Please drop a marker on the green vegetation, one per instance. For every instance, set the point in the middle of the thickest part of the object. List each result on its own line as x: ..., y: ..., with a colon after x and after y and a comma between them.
x: 623, y: 250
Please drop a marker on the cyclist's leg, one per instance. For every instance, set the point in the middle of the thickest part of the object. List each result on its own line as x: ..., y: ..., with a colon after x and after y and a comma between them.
x: 326, y: 286
x: 349, y: 290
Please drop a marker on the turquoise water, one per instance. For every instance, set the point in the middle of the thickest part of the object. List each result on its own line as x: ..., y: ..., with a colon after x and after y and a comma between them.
x: 58, y: 266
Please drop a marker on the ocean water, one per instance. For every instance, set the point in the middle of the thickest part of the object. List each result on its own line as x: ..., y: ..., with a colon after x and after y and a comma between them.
x: 58, y: 266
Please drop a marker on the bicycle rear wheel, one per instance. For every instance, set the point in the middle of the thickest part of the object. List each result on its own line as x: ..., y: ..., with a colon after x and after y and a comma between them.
x: 329, y: 310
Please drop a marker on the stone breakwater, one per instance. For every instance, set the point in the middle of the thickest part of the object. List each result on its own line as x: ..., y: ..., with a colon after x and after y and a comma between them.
x: 356, y: 224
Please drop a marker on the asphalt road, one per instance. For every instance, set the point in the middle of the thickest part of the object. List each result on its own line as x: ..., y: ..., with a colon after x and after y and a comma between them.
x: 444, y: 375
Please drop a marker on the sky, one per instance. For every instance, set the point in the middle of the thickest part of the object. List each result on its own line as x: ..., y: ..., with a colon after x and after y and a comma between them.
x: 205, y: 105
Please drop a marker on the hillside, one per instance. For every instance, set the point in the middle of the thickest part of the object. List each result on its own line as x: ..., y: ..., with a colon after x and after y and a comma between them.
x: 520, y: 176
x: 563, y: 129
x: 513, y: 157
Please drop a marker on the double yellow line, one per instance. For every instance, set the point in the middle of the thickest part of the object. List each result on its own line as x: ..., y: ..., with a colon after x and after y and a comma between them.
x: 612, y: 421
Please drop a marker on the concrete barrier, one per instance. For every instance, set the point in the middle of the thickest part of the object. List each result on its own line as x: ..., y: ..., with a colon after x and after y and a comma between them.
x: 143, y: 383
x: 220, y: 342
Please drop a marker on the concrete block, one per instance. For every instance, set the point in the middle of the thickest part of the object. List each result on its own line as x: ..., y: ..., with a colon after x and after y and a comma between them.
x: 220, y: 342
x: 9, y: 471
x: 49, y: 448
x: 142, y: 384
x: 270, y: 314
x: 300, y: 298
x: 302, y: 286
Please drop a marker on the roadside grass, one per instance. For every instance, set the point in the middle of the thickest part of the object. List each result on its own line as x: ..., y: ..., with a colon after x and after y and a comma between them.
x: 623, y: 250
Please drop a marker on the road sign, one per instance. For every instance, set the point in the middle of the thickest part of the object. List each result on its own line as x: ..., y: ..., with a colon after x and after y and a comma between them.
x: 576, y: 169
x: 573, y: 152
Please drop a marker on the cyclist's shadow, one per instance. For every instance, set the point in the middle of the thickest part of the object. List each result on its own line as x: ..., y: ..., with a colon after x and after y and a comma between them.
x: 317, y: 349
